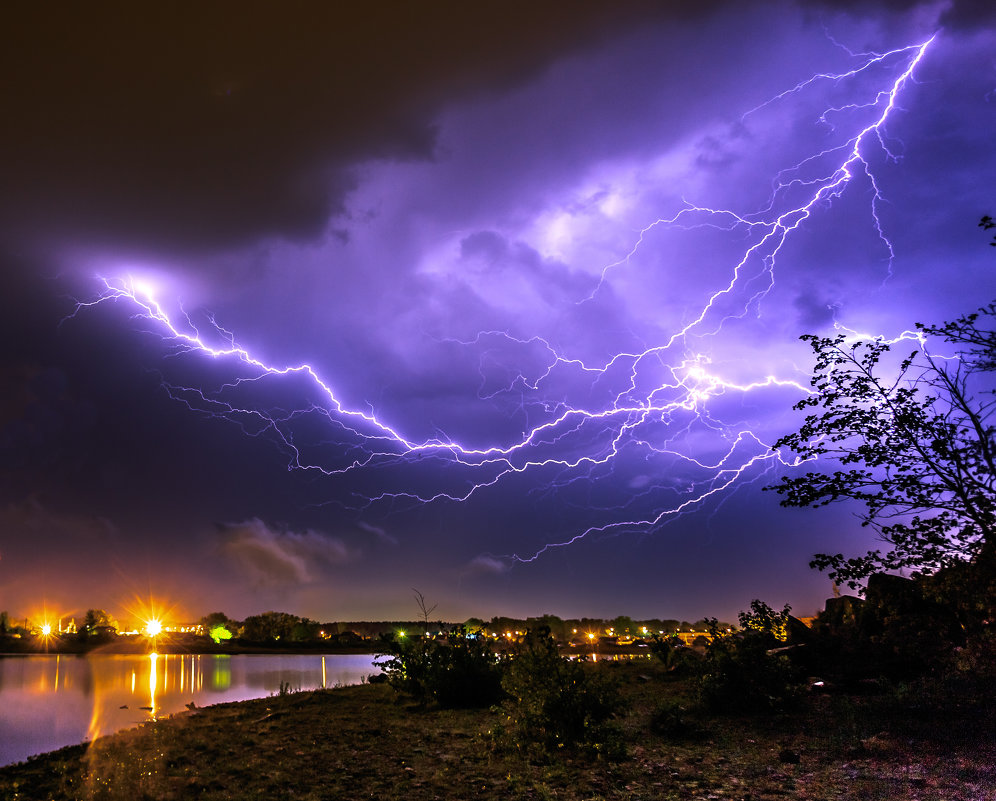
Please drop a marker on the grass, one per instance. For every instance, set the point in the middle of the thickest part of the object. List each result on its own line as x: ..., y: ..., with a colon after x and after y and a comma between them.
x: 366, y: 742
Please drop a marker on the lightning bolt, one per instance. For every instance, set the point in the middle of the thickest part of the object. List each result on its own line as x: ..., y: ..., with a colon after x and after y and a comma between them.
x: 648, y: 404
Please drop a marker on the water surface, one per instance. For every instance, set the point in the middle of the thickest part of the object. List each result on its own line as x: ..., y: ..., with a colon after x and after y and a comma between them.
x: 47, y: 702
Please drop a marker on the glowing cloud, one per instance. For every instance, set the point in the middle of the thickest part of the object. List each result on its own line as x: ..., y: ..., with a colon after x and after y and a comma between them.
x: 664, y: 420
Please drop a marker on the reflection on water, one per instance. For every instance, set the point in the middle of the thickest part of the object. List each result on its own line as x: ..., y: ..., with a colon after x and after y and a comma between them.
x: 47, y: 702
x: 154, y: 658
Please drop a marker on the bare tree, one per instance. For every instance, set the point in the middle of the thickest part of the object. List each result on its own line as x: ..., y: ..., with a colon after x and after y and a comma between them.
x: 423, y: 611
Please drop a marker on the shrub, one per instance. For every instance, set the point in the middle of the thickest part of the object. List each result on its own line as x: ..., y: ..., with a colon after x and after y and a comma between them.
x: 677, y: 658
x: 465, y: 672
x: 742, y: 672
x: 558, y: 703
x: 457, y: 671
x: 668, y: 720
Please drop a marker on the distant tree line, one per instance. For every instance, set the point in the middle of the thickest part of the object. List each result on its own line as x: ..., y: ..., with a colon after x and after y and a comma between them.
x: 284, y: 627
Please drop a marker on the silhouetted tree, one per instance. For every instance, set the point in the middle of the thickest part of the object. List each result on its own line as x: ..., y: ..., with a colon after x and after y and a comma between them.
x: 270, y: 626
x: 558, y: 629
x: 423, y: 609
x: 623, y: 625
x: 96, y: 619
x: 916, y: 445
x: 213, y: 619
x: 987, y: 223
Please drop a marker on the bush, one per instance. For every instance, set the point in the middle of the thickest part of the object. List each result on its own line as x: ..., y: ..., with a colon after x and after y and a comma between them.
x: 677, y: 658
x: 668, y: 720
x: 741, y: 672
x: 465, y: 672
x: 458, y: 671
x: 556, y: 703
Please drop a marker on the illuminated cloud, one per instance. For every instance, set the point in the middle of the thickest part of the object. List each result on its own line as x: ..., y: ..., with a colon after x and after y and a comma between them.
x: 276, y: 556
x: 487, y: 565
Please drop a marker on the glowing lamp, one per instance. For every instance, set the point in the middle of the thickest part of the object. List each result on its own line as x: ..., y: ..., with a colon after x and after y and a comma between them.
x: 153, y: 628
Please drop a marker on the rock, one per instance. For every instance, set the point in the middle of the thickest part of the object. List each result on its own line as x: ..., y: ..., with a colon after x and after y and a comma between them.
x: 788, y: 756
x: 842, y: 611
x: 798, y: 633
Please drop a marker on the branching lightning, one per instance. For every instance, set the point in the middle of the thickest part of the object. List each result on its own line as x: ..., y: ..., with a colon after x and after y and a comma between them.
x: 651, y: 404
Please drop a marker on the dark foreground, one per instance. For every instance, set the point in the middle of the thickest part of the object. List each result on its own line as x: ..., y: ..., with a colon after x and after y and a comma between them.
x: 363, y: 742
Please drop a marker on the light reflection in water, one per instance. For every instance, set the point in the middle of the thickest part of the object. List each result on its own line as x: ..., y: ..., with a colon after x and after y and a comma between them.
x: 153, y: 659
x: 50, y: 701
x: 221, y: 678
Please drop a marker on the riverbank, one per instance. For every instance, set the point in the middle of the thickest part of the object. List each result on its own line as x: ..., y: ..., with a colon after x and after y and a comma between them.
x: 365, y: 742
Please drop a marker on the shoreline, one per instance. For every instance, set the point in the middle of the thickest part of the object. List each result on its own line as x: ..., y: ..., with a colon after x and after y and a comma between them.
x: 365, y: 741
x: 231, y: 648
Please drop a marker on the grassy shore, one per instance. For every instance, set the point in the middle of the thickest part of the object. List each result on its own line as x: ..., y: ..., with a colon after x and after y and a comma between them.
x: 366, y: 742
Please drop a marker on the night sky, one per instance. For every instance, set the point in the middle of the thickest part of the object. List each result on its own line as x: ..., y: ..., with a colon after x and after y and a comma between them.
x: 547, y: 264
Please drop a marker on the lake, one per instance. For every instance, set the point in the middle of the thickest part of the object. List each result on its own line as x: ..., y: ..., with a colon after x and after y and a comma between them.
x: 47, y: 702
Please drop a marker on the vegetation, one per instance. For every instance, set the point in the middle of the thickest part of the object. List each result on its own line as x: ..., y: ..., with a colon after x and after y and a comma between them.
x: 275, y: 626
x: 556, y: 703
x: 459, y: 670
x: 916, y: 444
x: 281, y: 630
x: 744, y: 671
x: 914, y: 436
x: 677, y: 658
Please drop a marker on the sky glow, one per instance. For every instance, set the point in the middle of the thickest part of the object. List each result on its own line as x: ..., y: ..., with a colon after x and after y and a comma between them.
x: 534, y: 354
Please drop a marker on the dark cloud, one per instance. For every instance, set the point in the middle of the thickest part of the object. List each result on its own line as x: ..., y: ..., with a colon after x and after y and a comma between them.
x: 196, y: 126
x: 25, y: 521
x: 969, y: 14
x: 816, y: 313
x: 956, y: 14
